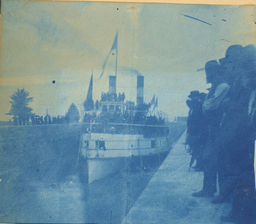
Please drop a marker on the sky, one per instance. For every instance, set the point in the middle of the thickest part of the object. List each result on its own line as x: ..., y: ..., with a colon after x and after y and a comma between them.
x: 44, y: 41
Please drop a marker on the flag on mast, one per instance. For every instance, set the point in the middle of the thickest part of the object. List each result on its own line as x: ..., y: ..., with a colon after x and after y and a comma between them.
x: 90, y: 89
x: 156, y: 104
x: 114, y: 47
x: 153, y: 100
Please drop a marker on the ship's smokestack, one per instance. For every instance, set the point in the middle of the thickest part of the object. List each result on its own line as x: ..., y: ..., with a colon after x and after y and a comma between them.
x: 112, y: 84
x: 140, y: 89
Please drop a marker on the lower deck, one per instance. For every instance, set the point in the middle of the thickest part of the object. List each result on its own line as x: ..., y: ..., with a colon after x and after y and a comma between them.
x: 105, y: 146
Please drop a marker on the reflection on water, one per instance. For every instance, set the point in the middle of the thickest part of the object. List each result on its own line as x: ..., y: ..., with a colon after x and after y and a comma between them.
x: 61, y: 201
x: 40, y: 182
x: 107, y: 200
x: 110, y: 199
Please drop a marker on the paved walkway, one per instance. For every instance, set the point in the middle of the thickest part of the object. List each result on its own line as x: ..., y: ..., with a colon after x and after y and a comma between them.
x: 167, y: 197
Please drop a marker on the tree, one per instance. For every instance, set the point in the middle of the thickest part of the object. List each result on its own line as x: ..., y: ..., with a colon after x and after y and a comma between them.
x: 73, y: 114
x: 19, y: 106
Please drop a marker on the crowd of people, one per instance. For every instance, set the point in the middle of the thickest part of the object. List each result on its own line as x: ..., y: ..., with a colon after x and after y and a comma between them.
x: 112, y: 97
x: 221, y: 132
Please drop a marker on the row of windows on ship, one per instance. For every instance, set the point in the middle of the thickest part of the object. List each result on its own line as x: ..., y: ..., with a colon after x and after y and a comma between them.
x: 112, y: 108
x: 101, y: 144
x: 118, y: 107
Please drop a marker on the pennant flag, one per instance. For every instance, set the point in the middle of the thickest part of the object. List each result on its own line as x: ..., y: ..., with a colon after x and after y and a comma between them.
x: 90, y: 89
x: 156, y: 103
x: 114, y: 47
x: 153, y: 100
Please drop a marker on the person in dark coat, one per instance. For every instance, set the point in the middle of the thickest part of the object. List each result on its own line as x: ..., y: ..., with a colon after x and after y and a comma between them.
x: 213, y: 112
x: 234, y: 105
x: 197, y: 130
x: 240, y: 159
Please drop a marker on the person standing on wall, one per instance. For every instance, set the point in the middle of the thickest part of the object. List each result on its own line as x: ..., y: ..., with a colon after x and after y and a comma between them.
x: 212, y: 108
x: 197, y: 130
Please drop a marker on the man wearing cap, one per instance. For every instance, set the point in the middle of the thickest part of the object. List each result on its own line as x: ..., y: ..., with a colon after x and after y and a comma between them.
x: 212, y: 108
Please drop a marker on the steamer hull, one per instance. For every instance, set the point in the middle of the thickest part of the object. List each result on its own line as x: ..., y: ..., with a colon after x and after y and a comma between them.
x: 107, y: 154
x: 101, y: 168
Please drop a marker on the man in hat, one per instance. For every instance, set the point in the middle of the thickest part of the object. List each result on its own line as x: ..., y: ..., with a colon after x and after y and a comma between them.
x: 196, y: 129
x: 232, y: 62
x: 235, y: 106
x: 212, y: 108
x: 239, y: 142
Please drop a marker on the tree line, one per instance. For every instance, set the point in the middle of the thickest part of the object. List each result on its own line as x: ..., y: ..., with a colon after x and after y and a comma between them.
x: 23, y: 115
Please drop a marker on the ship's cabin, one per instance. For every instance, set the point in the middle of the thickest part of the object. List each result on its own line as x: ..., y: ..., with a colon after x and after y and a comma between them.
x: 112, y: 103
x: 117, y: 107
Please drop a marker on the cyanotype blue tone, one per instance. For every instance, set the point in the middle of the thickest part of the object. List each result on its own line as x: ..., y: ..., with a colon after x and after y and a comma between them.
x: 127, y: 113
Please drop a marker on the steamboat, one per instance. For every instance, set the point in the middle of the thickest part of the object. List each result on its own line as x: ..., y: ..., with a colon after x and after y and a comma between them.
x: 120, y: 135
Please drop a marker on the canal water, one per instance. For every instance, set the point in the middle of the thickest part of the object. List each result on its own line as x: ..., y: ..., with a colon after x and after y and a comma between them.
x: 107, y: 200
x: 40, y: 183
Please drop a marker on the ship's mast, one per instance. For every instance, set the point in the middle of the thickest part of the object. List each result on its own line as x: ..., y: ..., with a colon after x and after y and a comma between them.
x: 116, y: 51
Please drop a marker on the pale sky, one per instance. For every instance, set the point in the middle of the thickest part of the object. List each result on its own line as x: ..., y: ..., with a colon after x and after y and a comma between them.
x: 64, y: 41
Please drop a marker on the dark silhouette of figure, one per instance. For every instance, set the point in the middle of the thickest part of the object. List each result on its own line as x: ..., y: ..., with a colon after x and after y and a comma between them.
x: 234, y: 106
x: 121, y: 97
x: 197, y: 130
x: 240, y: 142
x: 212, y: 108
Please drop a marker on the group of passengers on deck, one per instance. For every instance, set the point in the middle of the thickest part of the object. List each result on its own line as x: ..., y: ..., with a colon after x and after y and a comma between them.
x: 221, y: 131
